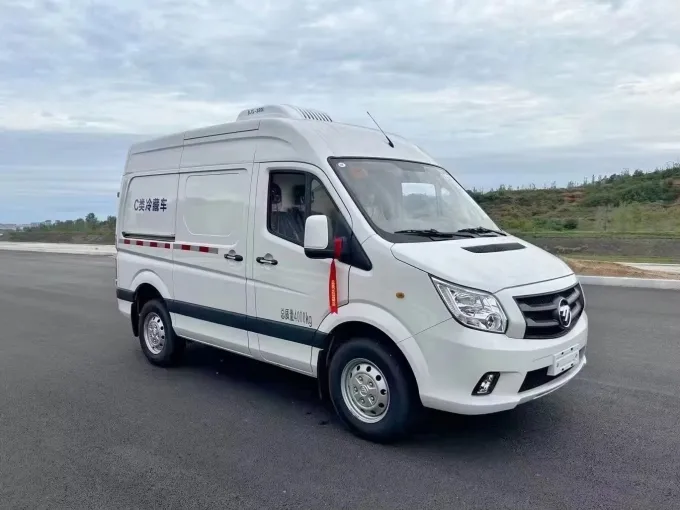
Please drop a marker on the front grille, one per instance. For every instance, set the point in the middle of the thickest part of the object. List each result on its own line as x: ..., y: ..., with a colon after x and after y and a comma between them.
x: 541, y: 312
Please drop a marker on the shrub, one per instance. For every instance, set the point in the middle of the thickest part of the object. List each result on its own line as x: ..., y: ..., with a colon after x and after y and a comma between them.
x: 570, y: 224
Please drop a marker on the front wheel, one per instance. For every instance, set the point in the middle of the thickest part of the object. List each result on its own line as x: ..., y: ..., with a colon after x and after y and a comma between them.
x: 372, y: 391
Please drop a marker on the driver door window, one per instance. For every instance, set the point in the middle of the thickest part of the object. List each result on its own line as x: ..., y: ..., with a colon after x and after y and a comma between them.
x: 293, y: 197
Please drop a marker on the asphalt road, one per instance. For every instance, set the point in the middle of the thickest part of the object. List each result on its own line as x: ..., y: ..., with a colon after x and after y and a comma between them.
x: 86, y: 422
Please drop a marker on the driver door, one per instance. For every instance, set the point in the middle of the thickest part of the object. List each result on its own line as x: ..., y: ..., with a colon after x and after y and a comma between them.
x: 291, y: 290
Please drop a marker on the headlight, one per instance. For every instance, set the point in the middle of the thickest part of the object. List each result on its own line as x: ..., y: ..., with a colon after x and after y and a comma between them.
x: 472, y: 308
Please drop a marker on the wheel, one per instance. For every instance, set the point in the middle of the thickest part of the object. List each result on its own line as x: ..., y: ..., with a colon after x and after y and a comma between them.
x: 372, y: 391
x: 158, y: 340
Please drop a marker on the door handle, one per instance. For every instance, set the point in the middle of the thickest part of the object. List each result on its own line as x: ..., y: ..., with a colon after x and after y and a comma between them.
x: 233, y: 256
x: 263, y: 260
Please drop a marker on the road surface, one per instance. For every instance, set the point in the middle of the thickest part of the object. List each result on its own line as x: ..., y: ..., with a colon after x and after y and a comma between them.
x: 86, y: 422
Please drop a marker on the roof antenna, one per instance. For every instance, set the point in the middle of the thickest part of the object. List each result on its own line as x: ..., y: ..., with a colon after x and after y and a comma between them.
x: 388, y: 138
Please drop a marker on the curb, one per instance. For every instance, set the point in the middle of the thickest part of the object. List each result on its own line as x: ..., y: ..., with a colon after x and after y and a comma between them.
x: 60, y: 248
x: 663, y: 268
x: 640, y: 283
x: 649, y: 264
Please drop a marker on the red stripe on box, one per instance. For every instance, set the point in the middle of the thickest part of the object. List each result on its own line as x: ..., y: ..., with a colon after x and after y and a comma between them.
x: 195, y: 247
x: 146, y: 244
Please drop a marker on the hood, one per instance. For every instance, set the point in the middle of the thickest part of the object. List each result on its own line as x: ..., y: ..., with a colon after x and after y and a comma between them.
x: 489, y: 263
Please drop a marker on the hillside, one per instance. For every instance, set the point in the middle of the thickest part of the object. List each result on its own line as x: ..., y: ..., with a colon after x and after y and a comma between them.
x: 626, y: 202
x: 621, y: 216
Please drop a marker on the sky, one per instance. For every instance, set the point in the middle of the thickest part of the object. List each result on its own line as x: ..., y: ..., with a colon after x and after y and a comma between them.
x: 500, y: 92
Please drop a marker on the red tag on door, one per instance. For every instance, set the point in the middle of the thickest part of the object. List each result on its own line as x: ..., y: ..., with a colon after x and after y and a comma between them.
x: 333, y: 280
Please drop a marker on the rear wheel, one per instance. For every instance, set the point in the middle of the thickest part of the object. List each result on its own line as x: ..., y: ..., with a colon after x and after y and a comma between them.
x: 372, y: 391
x: 157, y: 338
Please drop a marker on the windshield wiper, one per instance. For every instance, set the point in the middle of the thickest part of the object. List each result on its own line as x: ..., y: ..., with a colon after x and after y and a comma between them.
x: 431, y: 232
x: 481, y: 230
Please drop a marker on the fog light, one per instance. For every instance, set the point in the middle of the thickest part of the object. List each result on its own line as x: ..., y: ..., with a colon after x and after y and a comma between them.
x: 487, y: 383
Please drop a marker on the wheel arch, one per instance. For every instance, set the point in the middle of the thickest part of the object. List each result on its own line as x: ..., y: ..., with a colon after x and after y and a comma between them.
x: 148, y: 286
x: 345, y: 331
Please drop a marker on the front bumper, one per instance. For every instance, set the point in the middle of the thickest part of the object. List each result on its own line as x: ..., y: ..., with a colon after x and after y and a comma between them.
x: 454, y: 358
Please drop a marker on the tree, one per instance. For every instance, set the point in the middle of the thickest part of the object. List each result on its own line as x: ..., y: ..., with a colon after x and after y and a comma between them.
x: 111, y: 223
x: 91, y: 221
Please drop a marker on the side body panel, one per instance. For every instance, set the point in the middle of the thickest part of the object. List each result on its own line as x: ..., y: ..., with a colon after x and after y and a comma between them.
x: 210, y: 256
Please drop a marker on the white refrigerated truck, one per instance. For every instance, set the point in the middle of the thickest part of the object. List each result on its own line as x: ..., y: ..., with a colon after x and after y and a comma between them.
x: 345, y: 254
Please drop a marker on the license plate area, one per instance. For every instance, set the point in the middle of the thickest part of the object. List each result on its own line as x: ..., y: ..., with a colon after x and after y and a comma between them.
x: 564, y: 360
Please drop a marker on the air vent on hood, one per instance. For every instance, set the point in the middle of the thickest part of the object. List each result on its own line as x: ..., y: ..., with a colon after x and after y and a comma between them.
x: 493, y: 248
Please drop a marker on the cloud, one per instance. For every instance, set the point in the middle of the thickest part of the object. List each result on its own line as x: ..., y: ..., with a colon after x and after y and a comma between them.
x: 463, y: 78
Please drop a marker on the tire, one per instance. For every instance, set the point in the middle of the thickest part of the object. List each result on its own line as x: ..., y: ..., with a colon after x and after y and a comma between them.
x: 368, y: 370
x: 160, y: 345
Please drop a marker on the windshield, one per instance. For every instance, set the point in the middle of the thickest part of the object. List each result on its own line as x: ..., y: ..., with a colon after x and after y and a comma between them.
x: 397, y: 196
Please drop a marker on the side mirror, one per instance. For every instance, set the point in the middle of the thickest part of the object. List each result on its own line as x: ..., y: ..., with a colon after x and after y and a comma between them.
x: 318, y: 241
